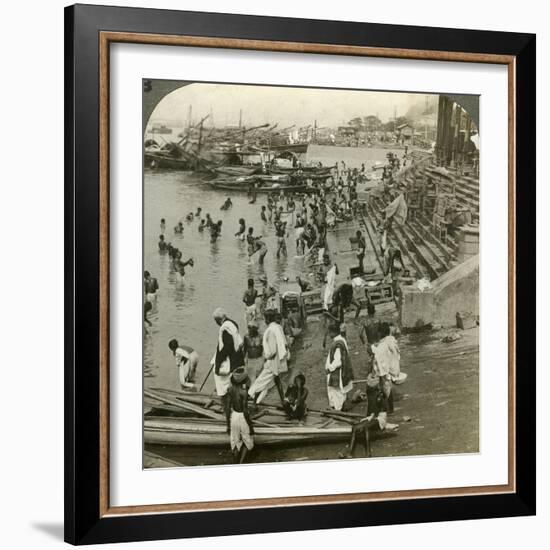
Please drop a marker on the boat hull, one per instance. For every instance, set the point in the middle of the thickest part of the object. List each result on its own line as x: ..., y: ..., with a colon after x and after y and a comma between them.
x: 214, y: 434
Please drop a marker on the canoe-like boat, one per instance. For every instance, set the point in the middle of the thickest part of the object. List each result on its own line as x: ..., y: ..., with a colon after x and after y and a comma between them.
x: 229, y: 185
x: 237, y: 170
x: 164, y: 161
x: 195, y: 419
x: 199, y: 432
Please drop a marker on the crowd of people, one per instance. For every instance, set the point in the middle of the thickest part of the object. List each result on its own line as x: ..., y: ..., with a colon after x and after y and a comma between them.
x: 247, y: 365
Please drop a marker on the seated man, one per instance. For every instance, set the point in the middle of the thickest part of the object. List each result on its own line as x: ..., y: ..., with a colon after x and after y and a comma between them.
x: 375, y: 422
x: 295, y: 398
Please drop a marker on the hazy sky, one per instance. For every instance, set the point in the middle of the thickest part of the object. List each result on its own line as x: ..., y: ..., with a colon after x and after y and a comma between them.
x: 287, y: 106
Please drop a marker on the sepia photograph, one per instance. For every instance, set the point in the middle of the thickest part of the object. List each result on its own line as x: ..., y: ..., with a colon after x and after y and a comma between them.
x: 310, y: 274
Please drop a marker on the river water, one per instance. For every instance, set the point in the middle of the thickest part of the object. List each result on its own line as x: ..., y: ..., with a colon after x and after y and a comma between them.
x: 218, y: 278
x: 441, y: 395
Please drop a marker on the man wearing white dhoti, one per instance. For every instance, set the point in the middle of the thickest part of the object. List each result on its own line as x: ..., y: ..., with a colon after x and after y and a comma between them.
x: 275, y: 355
x: 338, y: 369
x: 387, y: 363
x: 330, y: 283
x: 229, y: 351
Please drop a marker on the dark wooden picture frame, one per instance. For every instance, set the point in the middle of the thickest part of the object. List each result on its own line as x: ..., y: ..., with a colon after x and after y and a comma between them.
x: 89, y: 31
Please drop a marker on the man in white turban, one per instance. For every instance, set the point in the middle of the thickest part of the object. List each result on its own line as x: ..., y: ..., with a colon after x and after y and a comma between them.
x: 229, y: 351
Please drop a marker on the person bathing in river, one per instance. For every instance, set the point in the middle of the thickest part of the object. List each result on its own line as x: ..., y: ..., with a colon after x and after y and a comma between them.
x: 299, y: 235
x: 163, y: 245
x: 270, y: 207
x: 256, y: 245
x: 198, y: 212
x: 249, y: 299
x: 150, y: 285
x: 202, y: 225
x: 162, y: 225
x: 262, y: 214
x: 241, y: 233
x: 178, y: 229
x: 180, y: 265
x: 227, y: 204
x: 239, y: 423
x: 215, y: 231
x: 147, y: 307
x: 187, y: 360
x: 190, y: 217
x: 295, y: 398
x: 209, y: 221
x: 281, y: 234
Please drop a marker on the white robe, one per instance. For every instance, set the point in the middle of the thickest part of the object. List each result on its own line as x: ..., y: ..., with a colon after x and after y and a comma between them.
x: 329, y: 287
x: 337, y: 395
x: 273, y: 343
x: 223, y: 379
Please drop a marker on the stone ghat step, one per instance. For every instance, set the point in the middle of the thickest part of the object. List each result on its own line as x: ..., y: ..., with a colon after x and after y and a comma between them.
x: 423, y: 256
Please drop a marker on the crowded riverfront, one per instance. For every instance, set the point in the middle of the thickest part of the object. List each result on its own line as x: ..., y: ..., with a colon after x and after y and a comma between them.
x: 300, y: 301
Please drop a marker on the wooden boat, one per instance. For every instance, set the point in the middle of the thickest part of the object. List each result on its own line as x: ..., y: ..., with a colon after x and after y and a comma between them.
x: 196, y: 431
x: 194, y: 419
x: 242, y: 186
x: 163, y: 161
x: 237, y: 170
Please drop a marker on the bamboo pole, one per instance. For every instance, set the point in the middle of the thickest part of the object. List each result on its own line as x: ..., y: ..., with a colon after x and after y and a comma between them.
x: 185, y: 406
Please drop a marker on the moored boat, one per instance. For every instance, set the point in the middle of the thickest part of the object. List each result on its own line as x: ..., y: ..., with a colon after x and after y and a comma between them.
x: 196, y: 431
x: 195, y: 419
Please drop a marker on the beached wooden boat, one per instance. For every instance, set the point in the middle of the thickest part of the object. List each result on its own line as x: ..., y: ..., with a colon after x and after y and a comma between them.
x: 194, y: 419
x: 196, y: 431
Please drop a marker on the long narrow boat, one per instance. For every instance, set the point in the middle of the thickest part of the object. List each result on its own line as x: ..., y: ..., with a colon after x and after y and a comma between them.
x: 194, y: 419
x: 231, y: 185
x: 204, y: 432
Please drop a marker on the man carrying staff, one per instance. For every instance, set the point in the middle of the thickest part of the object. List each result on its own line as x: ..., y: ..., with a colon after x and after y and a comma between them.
x: 229, y: 351
x: 239, y: 424
x: 275, y: 355
x: 338, y: 369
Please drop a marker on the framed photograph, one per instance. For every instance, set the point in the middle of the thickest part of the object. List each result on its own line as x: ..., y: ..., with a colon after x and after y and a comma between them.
x: 299, y: 274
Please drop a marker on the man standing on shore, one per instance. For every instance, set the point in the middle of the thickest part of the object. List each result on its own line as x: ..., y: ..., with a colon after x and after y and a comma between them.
x: 239, y: 423
x: 229, y: 351
x: 275, y: 353
x: 338, y: 369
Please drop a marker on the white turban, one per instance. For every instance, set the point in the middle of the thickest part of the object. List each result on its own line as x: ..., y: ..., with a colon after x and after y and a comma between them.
x: 219, y: 313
